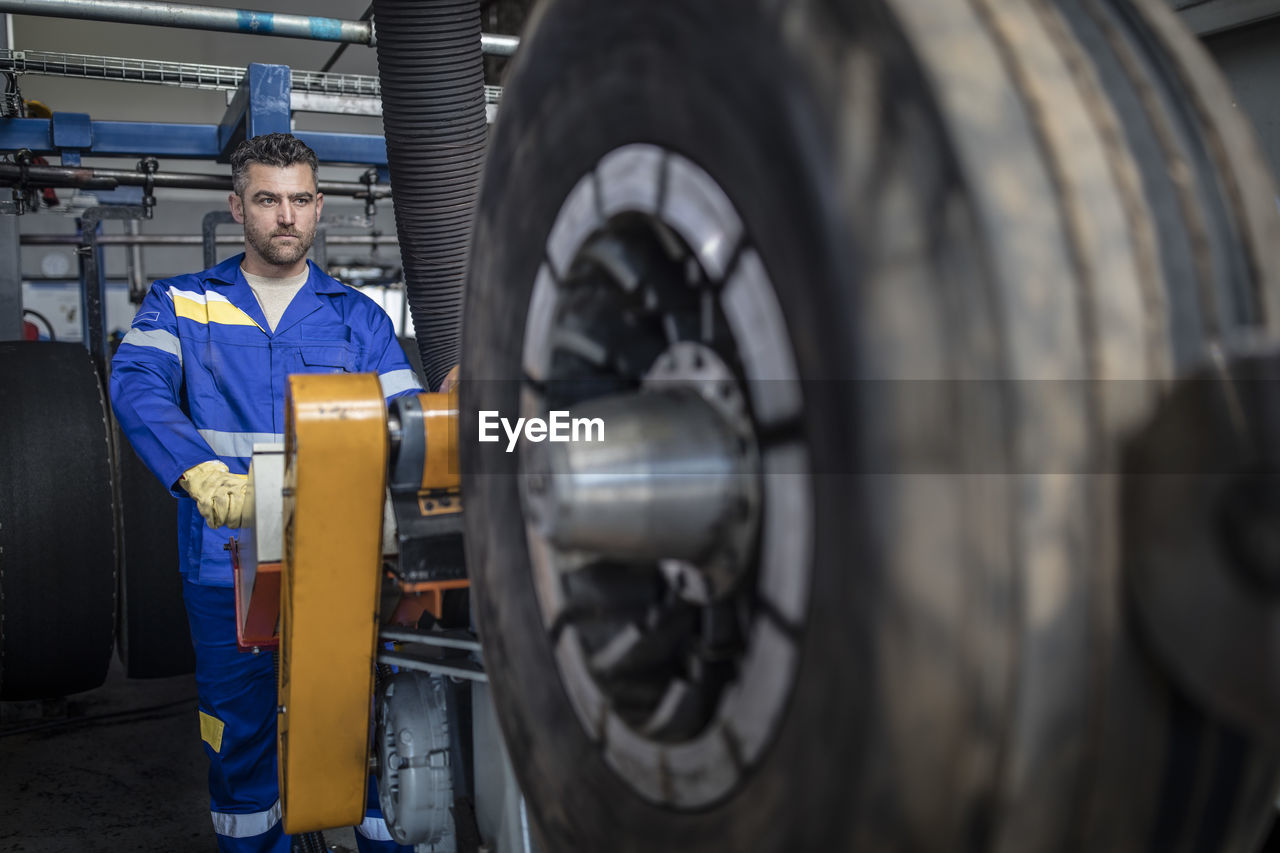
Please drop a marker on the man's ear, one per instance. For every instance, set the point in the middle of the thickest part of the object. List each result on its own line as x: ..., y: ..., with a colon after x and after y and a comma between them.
x: 237, y: 207
x: 319, y: 204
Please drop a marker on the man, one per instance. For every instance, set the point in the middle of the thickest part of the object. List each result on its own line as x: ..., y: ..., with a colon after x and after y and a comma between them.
x: 200, y: 378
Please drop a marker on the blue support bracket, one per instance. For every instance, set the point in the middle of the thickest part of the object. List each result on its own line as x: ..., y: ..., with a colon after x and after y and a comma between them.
x: 72, y: 130
x: 261, y: 105
x: 72, y: 134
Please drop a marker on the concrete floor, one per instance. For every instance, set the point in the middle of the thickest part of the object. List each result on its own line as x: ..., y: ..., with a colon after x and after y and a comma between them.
x: 120, y: 768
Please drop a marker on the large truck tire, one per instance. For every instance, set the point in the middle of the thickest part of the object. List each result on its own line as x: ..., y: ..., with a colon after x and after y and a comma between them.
x: 153, y: 639
x: 953, y: 253
x: 57, y: 533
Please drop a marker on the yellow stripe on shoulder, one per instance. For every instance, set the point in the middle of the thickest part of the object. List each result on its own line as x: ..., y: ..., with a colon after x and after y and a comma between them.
x: 211, y: 312
x: 229, y: 315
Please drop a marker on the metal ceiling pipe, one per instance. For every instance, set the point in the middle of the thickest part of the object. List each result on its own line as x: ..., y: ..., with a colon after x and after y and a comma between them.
x: 191, y: 239
x: 433, y: 115
x: 191, y: 17
x: 12, y: 174
x: 133, y: 264
x: 245, y: 21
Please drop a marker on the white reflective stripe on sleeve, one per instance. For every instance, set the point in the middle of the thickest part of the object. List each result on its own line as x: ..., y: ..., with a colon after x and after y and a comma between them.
x: 196, y: 296
x: 238, y: 443
x: 398, y: 380
x: 247, y: 825
x: 156, y: 339
x: 374, y: 829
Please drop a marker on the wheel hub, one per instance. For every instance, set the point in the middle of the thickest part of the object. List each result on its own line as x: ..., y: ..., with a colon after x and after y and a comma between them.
x: 672, y: 582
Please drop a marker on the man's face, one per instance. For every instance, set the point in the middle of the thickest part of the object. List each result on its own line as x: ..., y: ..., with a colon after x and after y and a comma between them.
x: 279, y: 210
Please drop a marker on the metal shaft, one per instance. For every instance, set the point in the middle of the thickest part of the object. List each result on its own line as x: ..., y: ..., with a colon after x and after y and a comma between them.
x: 498, y: 45
x: 669, y: 477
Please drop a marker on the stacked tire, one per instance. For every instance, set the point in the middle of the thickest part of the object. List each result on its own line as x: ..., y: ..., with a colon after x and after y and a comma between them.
x: 57, y: 530
x: 152, y: 637
x: 88, y: 537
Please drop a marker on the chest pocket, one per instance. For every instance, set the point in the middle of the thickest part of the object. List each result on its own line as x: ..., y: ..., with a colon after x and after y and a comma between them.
x: 336, y: 357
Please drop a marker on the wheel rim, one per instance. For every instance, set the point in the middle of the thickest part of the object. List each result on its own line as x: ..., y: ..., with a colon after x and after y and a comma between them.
x: 679, y: 664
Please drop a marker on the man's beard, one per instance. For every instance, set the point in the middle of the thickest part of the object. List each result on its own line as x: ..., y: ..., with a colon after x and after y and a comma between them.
x: 282, y: 254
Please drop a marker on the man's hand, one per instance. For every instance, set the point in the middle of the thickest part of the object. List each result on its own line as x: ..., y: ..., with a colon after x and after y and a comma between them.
x: 220, y: 495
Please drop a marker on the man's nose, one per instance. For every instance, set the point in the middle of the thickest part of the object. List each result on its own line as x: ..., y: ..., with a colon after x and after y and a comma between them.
x: 286, y: 215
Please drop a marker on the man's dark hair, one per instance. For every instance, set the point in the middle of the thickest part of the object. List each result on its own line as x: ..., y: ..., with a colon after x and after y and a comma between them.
x: 270, y: 149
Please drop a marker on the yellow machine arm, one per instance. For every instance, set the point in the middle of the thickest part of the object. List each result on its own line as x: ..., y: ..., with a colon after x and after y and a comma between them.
x: 335, y: 480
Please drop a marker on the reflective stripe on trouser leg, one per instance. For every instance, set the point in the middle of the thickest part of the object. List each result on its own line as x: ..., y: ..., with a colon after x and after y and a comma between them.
x: 238, y: 690
x: 245, y: 825
x: 372, y: 836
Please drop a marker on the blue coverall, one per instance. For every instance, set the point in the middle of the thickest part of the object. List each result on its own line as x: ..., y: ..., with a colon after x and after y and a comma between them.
x: 200, y: 376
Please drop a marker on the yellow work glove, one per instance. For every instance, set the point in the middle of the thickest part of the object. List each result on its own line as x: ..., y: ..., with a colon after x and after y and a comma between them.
x: 220, y: 495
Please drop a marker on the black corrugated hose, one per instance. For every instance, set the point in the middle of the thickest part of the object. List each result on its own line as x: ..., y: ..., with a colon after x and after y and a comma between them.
x: 433, y: 114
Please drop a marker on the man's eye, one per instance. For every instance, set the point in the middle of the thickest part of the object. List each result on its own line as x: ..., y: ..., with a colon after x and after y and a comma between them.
x: 267, y: 202
x: 301, y: 202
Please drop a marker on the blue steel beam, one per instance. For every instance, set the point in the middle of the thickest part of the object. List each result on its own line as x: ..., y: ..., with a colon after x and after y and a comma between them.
x: 33, y: 133
x: 140, y: 138
x: 117, y: 138
x: 261, y: 105
x: 356, y: 148
x: 182, y: 141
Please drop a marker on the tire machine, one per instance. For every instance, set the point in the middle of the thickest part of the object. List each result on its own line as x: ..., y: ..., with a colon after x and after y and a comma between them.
x: 351, y: 568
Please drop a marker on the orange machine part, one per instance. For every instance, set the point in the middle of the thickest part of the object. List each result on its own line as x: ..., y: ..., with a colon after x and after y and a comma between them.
x: 423, y: 597
x: 440, y: 425
x: 259, y: 630
x: 259, y: 627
